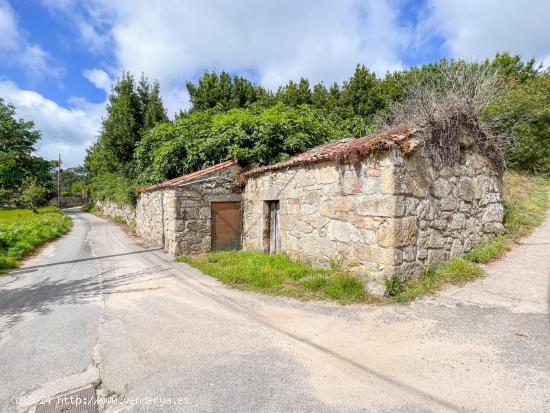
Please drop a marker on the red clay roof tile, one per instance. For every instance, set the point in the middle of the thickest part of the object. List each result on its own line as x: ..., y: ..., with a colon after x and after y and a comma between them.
x: 343, y: 149
x: 186, y: 178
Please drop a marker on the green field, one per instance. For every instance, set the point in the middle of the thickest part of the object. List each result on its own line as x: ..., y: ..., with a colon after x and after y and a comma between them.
x: 22, y: 230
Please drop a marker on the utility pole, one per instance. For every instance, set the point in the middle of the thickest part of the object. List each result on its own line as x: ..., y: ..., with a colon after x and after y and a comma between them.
x: 58, y: 181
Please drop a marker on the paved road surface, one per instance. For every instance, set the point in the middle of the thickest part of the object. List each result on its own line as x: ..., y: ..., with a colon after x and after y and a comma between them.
x: 95, y: 305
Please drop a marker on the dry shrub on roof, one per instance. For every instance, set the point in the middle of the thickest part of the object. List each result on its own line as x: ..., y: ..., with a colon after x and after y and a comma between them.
x: 447, y: 108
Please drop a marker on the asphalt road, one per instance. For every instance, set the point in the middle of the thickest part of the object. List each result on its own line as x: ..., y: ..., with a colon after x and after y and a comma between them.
x: 96, y: 307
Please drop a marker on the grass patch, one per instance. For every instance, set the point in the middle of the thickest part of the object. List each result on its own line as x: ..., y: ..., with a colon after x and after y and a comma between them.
x: 456, y: 271
x: 276, y: 274
x: 22, y: 230
x: 525, y: 203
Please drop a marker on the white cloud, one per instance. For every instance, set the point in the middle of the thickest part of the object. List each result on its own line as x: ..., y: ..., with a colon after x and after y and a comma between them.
x: 15, y: 49
x: 99, y: 78
x: 68, y: 131
x: 278, y: 41
x: 474, y: 29
x: 9, y: 36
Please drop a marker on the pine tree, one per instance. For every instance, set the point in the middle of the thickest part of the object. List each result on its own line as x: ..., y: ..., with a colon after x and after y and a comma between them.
x: 143, y: 93
x: 319, y: 97
x: 121, y: 127
x: 155, y: 111
x: 360, y: 94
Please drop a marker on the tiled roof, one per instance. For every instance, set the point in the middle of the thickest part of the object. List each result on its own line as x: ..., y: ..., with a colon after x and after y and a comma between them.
x: 345, y: 149
x: 189, y: 177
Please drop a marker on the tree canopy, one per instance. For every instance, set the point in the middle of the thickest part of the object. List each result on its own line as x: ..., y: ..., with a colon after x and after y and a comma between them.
x: 17, y: 162
x: 233, y: 117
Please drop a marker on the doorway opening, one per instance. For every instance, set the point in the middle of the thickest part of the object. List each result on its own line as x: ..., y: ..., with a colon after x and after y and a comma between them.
x: 272, y: 234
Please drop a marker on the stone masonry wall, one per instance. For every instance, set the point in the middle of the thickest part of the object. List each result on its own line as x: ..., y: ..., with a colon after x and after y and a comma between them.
x: 328, y: 213
x: 451, y: 209
x: 191, y: 222
x: 384, y: 215
x: 151, y: 212
x: 179, y: 217
x: 114, y: 210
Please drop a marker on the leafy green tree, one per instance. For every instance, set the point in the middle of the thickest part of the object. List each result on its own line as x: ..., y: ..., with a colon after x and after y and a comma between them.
x: 514, y: 67
x: 255, y: 136
x: 33, y: 194
x: 526, y: 110
x: 17, y: 163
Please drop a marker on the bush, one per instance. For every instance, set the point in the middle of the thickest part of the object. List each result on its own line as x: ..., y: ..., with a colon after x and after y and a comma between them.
x: 525, y: 109
x: 393, y: 286
x: 33, y: 195
x: 254, y: 136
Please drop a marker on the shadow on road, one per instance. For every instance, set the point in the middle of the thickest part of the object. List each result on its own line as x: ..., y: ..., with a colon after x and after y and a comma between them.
x: 41, y: 297
x: 32, y: 268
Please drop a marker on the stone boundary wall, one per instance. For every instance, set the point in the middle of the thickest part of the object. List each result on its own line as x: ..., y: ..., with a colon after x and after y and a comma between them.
x: 69, y: 201
x: 113, y: 210
x: 448, y: 210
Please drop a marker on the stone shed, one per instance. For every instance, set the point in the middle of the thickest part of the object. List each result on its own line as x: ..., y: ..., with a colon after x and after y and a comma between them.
x: 194, y: 213
x: 374, y: 205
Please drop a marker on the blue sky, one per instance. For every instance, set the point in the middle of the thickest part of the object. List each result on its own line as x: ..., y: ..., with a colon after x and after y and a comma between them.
x: 59, y: 57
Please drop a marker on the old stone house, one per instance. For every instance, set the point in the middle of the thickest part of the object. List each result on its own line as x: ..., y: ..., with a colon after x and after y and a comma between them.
x: 193, y: 213
x: 374, y: 205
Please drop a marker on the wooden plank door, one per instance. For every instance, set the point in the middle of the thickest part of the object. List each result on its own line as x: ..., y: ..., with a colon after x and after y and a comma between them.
x: 226, y: 225
x: 274, y: 231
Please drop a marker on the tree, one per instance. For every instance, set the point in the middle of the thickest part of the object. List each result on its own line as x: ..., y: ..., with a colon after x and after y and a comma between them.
x: 514, y: 67
x: 319, y: 97
x: 33, y: 194
x: 525, y: 110
x: 155, y: 111
x: 121, y: 127
x: 361, y: 94
x: 17, y: 163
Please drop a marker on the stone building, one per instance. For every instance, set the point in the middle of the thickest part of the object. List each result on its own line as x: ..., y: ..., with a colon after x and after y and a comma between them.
x: 374, y: 205
x: 193, y: 213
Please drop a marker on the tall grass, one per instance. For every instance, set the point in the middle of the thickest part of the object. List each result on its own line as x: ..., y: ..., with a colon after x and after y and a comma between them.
x: 22, y: 230
x: 276, y: 274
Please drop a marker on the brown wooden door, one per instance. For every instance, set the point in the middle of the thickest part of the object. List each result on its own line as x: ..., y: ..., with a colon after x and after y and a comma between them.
x: 226, y: 225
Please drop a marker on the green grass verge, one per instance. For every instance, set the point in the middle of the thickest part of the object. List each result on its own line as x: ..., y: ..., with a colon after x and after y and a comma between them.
x: 526, y: 202
x: 22, y: 230
x: 276, y: 274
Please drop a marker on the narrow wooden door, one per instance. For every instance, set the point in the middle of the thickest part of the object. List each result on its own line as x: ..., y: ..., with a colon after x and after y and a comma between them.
x: 226, y: 225
x: 274, y: 231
